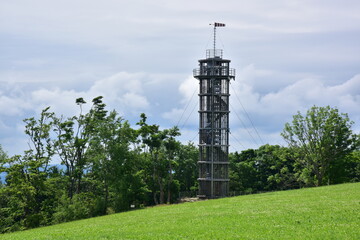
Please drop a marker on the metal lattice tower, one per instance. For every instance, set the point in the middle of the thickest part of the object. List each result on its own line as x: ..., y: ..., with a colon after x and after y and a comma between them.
x: 214, y: 75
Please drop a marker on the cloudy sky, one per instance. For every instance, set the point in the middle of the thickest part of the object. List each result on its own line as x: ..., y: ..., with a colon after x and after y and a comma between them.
x: 289, y: 55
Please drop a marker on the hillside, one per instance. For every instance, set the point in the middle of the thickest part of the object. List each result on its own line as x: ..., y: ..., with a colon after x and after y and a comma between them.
x: 331, y: 212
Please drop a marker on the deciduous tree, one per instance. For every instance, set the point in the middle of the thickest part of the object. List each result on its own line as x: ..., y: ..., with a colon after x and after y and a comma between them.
x: 323, y: 137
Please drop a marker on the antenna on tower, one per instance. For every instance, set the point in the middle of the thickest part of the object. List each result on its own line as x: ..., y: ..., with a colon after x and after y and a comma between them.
x: 215, y: 24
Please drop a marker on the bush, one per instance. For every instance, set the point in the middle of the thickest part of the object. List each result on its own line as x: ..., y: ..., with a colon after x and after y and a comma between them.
x: 81, y: 206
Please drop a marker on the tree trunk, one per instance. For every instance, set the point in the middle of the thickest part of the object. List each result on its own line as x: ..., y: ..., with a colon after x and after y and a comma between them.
x: 155, y: 198
x: 154, y: 180
x: 161, y: 186
x: 70, y: 173
x: 71, y: 189
x: 169, y: 183
x: 106, y: 197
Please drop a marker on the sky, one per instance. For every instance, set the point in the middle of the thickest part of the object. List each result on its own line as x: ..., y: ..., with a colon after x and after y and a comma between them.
x: 289, y: 55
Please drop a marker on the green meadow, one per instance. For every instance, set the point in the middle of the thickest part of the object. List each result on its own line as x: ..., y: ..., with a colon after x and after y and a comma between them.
x: 331, y: 212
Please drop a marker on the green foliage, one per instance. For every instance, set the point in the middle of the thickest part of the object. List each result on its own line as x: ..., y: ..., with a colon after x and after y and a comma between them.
x: 106, y: 166
x: 323, y: 138
x: 185, y: 170
x: 352, y: 167
x: 314, y: 213
x: 28, y: 198
x: 242, y: 171
x: 27, y: 192
x: 162, y: 149
x: 3, y: 155
x: 82, y: 205
x: 322, y: 150
x: 268, y: 168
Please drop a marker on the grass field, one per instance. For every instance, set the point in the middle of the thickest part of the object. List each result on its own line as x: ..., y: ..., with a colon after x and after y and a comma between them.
x: 331, y: 212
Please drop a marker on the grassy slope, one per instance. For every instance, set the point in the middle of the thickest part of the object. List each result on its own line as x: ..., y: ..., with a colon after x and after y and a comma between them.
x: 331, y: 212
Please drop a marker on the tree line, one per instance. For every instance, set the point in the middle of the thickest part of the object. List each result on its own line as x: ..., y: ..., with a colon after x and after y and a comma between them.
x: 107, y: 166
x: 322, y: 150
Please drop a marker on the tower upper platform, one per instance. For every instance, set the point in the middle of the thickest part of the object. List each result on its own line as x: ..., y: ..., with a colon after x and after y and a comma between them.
x: 214, y: 66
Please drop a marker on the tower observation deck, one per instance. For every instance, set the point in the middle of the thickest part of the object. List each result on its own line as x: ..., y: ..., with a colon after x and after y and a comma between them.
x: 214, y: 75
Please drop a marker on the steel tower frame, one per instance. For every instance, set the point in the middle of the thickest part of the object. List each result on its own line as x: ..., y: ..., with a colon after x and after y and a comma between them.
x: 214, y: 75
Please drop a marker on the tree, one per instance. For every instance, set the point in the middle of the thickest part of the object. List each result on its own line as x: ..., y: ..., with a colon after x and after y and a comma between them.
x: 35, y: 163
x: 323, y: 138
x: 28, y: 195
x: 152, y: 138
x: 352, y: 167
x: 72, y: 140
x: 243, y: 173
x: 268, y: 168
x: 275, y: 168
x: 172, y: 148
x: 41, y: 149
x: 186, y: 171
x: 3, y: 155
x: 114, y: 165
x: 105, y: 167
x: 163, y: 147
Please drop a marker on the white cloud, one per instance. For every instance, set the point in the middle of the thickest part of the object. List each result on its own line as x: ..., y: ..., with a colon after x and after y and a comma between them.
x: 61, y: 101
x: 189, y: 135
x: 134, y: 101
x: 122, y: 91
x: 3, y: 126
x: 351, y: 86
x: 188, y: 88
x: 10, y: 106
x: 257, y: 110
x: 270, y: 112
x: 118, y: 84
x: 113, y: 22
x: 297, y: 95
x: 174, y: 115
x: 33, y: 62
x: 289, y: 55
x: 186, y: 115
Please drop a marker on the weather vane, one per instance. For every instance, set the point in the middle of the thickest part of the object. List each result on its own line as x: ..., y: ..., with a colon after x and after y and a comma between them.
x: 215, y: 24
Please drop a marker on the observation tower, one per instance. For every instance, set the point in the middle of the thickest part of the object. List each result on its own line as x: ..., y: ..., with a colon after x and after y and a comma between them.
x: 214, y: 75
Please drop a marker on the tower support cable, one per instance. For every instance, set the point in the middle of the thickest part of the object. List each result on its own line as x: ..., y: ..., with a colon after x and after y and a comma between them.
x: 247, y: 115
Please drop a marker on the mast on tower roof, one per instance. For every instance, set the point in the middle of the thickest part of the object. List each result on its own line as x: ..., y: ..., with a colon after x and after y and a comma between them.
x: 215, y: 24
